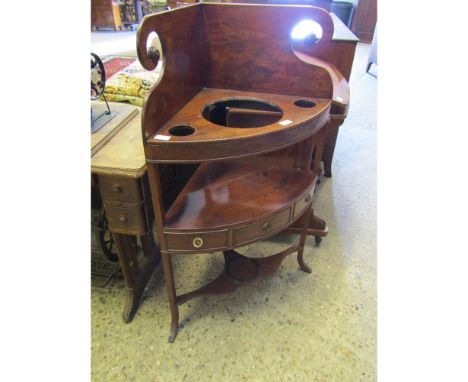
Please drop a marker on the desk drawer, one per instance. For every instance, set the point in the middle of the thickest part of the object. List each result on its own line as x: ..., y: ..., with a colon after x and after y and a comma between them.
x: 194, y: 241
x: 300, y: 205
x: 261, y: 228
x: 120, y: 189
x: 126, y: 220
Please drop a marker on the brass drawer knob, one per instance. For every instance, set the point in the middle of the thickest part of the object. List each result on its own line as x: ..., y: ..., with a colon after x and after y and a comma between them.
x: 123, y: 218
x: 197, y: 242
x: 117, y: 189
x: 307, y: 199
x: 266, y: 226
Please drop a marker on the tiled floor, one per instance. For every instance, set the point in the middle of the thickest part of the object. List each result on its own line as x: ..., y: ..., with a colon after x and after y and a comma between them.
x: 293, y: 326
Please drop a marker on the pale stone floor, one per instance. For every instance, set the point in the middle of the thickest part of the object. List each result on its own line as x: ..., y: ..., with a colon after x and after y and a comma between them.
x: 292, y: 326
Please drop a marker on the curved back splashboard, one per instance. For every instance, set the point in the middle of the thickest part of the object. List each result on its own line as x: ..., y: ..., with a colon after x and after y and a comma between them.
x: 244, y: 47
x: 249, y: 48
x: 180, y: 32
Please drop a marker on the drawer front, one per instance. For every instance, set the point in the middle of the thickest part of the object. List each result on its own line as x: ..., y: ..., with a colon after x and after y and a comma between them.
x: 119, y: 189
x: 126, y: 220
x: 193, y: 241
x: 300, y: 205
x: 262, y: 228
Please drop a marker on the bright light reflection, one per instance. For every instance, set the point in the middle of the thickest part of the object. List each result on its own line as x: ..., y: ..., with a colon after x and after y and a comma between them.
x: 305, y: 29
x: 149, y: 41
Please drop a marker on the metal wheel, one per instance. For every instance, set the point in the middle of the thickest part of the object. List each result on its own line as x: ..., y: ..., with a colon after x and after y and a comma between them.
x: 318, y: 240
x: 98, y: 77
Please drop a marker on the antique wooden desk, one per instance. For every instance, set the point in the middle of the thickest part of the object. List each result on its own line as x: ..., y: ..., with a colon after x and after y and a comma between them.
x: 119, y: 173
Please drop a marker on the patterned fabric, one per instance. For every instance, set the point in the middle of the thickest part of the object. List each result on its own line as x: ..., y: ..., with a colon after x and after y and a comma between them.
x: 131, y: 84
x: 114, y: 64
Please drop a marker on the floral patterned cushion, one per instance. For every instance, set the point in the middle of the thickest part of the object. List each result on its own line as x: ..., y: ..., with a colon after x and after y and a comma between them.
x: 131, y: 84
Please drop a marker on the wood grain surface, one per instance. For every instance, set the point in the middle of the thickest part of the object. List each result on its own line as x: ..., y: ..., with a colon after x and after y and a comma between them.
x: 211, y: 142
x: 123, y: 155
x: 102, y: 136
x: 226, y: 193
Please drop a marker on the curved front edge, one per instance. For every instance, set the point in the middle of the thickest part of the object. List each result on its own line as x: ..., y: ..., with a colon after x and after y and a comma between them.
x: 340, y: 100
x: 179, y: 241
x: 212, y: 151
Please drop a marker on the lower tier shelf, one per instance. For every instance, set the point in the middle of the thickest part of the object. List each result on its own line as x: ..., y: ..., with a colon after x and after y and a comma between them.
x: 240, y: 270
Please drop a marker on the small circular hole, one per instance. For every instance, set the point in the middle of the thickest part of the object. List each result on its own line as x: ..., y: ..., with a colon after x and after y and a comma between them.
x: 181, y: 130
x: 304, y: 103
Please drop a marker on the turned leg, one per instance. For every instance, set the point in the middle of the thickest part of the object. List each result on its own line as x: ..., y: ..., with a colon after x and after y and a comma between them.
x: 328, y: 151
x: 126, y: 250
x: 300, y: 253
x: 329, y: 145
x: 136, y: 275
x: 171, y: 293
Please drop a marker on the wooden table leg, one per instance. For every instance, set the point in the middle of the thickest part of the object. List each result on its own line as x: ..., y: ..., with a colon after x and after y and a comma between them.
x: 330, y: 143
x: 300, y: 253
x: 317, y: 227
x: 171, y: 293
x: 136, y: 275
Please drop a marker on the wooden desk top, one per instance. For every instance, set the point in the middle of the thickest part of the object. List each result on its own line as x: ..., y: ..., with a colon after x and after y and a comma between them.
x: 125, y: 113
x: 123, y: 154
x: 341, y: 31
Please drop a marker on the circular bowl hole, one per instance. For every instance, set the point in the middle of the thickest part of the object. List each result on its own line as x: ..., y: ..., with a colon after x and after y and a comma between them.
x: 242, y: 113
x: 304, y: 103
x: 181, y: 130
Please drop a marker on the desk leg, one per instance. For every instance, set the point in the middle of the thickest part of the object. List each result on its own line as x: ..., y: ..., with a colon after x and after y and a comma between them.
x: 136, y: 275
x: 330, y: 143
x: 300, y: 253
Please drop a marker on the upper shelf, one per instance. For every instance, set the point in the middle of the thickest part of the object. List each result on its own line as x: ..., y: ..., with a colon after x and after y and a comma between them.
x: 220, y: 124
x: 215, y: 57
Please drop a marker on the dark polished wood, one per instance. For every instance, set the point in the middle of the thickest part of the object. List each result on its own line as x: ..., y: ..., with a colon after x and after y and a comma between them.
x: 105, y: 14
x: 365, y: 20
x: 340, y: 51
x: 181, y: 35
x: 214, y: 142
x: 223, y: 202
x: 325, y: 4
x: 252, y: 108
x: 330, y: 142
x: 185, y: 40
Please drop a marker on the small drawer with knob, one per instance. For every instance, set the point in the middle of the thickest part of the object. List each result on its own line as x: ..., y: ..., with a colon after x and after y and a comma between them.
x: 195, y: 242
x: 301, y: 204
x: 262, y: 228
x: 120, y: 189
x: 126, y: 220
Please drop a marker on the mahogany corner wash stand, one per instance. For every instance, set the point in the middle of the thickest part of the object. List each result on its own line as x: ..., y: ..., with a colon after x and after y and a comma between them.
x: 242, y: 101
